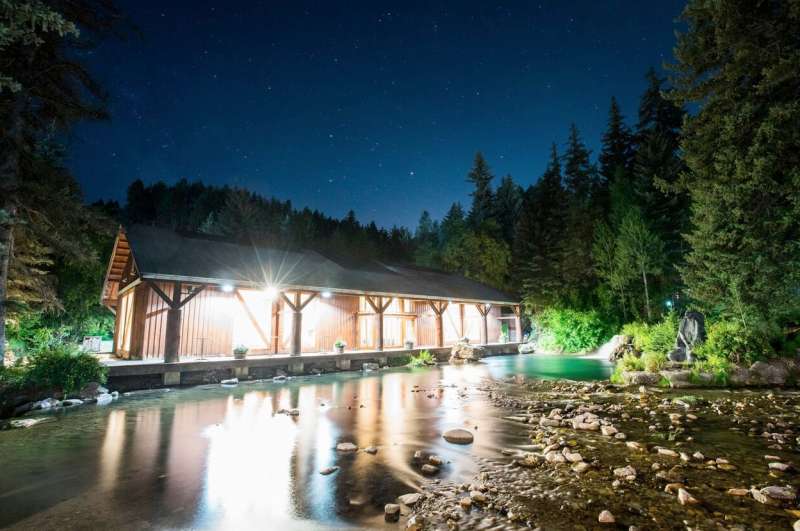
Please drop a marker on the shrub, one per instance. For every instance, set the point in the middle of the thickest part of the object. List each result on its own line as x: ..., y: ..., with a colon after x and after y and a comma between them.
x: 63, y: 367
x: 735, y: 343
x: 571, y: 330
x: 631, y: 362
x: 422, y: 359
x: 657, y: 338
x: 653, y: 361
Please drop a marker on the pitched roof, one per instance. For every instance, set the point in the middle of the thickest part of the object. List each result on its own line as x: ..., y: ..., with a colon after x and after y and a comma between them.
x: 167, y: 255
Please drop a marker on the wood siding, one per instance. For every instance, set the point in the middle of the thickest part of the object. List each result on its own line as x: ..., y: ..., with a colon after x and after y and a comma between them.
x: 213, y: 321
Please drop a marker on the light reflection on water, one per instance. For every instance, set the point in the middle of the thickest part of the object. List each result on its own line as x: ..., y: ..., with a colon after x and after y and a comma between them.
x: 213, y: 457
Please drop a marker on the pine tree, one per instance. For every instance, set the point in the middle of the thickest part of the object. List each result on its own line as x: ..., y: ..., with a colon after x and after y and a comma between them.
x: 538, y: 238
x: 738, y: 62
x: 482, y: 197
x: 426, y: 240
x: 616, y: 156
x: 508, y: 202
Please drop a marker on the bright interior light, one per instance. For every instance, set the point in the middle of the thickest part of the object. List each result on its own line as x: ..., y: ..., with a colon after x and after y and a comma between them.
x: 326, y: 294
x: 227, y: 288
x: 271, y: 292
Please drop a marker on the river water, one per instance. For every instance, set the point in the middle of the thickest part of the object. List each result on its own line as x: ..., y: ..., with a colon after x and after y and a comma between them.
x: 225, y: 458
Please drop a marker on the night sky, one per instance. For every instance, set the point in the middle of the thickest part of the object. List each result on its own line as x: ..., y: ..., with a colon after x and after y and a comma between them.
x: 358, y: 105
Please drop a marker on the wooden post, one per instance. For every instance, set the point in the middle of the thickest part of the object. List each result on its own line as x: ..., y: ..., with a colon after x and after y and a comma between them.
x: 517, y: 322
x: 439, y: 308
x: 139, y: 299
x: 484, y: 310
x: 276, y: 325
x: 297, y: 322
x: 172, y: 336
x: 379, y: 307
x: 461, y: 320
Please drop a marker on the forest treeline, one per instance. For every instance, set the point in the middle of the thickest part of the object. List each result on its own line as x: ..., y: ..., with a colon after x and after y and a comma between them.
x: 677, y: 210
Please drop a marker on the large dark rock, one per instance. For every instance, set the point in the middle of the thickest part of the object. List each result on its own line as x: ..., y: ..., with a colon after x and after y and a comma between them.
x: 691, y: 333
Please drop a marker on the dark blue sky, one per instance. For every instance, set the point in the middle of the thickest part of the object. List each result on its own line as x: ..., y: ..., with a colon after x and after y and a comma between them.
x: 366, y: 106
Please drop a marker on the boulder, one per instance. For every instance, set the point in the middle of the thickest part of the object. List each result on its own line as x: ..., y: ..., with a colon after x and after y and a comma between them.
x: 47, y: 403
x: 463, y: 352
x: 229, y: 382
x: 773, y: 372
x: 346, y: 447
x: 529, y: 347
x: 640, y: 378
x: 739, y: 377
x: 458, y: 436
x: 104, y: 399
x: 410, y: 499
x: 678, y: 379
x: 691, y: 333
x: 91, y: 390
x: 369, y: 366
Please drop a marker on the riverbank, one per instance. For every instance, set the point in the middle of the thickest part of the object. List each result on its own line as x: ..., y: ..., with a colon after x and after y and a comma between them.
x: 647, y: 458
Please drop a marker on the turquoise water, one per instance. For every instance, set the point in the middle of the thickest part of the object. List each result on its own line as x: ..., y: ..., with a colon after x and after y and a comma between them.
x: 223, y: 458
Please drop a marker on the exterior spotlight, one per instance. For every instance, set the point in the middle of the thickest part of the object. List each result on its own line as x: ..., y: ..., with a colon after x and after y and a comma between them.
x: 668, y: 304
x: 227, y: 288
x: 326, y: 294
x: 271, y: 292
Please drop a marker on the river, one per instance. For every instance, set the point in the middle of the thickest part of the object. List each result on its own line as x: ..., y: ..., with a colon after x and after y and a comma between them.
x: 225, y: 458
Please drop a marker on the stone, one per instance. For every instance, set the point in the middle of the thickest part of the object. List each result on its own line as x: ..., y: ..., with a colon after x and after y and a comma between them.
x: 91, y: 390
x: 633, y: 445
x: 415, y: 523
x: 580, y: 468
x: 391, y: 512
x: 465, y: 502
x: 410, y: 499
x: 554, y: 457
x: 529, y: 347
x: 606, y: 517
x: 626, y: 472
x: 478, y: 497
x: 230, y: 382
x: 739, y: 377
x: 463, y: 352
x: 678, y: 379
x: 780, y: 467
x: 691, y: 333
x: 796, y: 526
x: 686, y: 499
x: 371, y: 450
x: 640, y: 378
x: 618, y: 346
x: 28, y: 423
x: 346, y: 447
x: 47, y: 403
x: 552, y: 423
x: 667, y: 452
x: 774, y: 372
x: 328, y: 470
x: 70, y: 402
x: 104, y: 399
x: 608, y: 430
x: 430, y: 469
x: 773, y: 495
x: 435, y: 460
x: 737, y: 492
x: 458, y: 436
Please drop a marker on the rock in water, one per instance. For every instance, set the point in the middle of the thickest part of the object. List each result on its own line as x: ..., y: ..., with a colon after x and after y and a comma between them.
x: 346, y: 447
x: 328, y: 470
x: 606, y: 518
x: 391, y: 512
x: 409, y: 499
x: 529, y: 347
x: 104, y: 399
x: 230, y: 382
x: 458, y: 436
x: 368, y: 367
x: 463, y: 352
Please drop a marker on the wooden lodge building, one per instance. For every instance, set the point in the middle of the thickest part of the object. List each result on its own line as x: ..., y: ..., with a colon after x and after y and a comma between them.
x: 179, y: 297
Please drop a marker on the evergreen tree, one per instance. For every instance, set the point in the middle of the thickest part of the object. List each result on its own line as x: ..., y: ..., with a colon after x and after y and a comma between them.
x: 426, y: 240
x: 508, y: 202
x: 43, y: 91
x: 639, y: 249
x: 738, y: 61
x: 538, y: 244
x: 482, y: 197
x: 617, y: 153
x: 578, y: 171
x: 453, y: 224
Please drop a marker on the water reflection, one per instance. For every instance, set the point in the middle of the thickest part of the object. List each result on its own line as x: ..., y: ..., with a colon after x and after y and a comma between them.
x: 212, y: 457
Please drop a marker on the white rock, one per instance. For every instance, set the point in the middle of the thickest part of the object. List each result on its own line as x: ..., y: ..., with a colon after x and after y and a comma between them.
x: 686, y: 499
x: 47, y: 403
x: 608, y: 430
x: 458, y: 436
x: 28, y: 423
x: 104, y: 399
x: 346, y: 447
x: 230, y: 382
x: 606, y: 517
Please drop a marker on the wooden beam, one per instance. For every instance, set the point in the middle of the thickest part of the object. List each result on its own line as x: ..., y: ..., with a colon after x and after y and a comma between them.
x: 297, y: 325
x: 140, y: 300
x: 172, y: 335
x: 372, y: 303
x: 311, y: 296
x: 276, y: 326
x: 160, y: 293
x: 386, y: 304
x: 253, y: 320
x: 288, y: 302
x: 192, y: 294
x: 461, y: 319
x: 518, y: 322
x: 484, y: 311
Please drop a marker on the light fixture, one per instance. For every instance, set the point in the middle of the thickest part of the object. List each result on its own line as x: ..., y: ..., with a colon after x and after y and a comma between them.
x: 326, y: 294
x: 227, y: 288
x: 270, y: 292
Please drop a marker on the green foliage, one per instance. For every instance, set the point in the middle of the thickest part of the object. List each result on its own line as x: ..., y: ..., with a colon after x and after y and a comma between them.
x: 398, y: 361
x: 628, y: 363
x: 737, y: 61
x: 480, y: 257
x: 731, y: 341
x: 64, y: 368
x: 657, y: 338
x: 423, y: 359
x: 713, y: 363
x: 569, y: 330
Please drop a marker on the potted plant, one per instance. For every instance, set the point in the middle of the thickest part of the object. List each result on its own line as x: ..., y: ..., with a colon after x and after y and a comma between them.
x: 240, y: 352
x: 409, y: 344
x: 338, y: 347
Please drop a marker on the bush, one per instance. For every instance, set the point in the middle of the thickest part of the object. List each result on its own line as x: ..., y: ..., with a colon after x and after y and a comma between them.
x: 422, y: 359
x: 628, y: 363
x: 657, y: 338
x: 63, y: 368
x: 732, y: 341
x: 568, y: 330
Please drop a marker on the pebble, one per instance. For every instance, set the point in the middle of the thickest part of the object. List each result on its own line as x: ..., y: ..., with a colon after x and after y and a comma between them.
x: 686, y: 499
x: 328, y: 470
x: 667, y: 452
x: 458, y: 436
x: 371, y: 450
x: 430, y: 469
x: 606, y: 517
x: 346, y: 447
